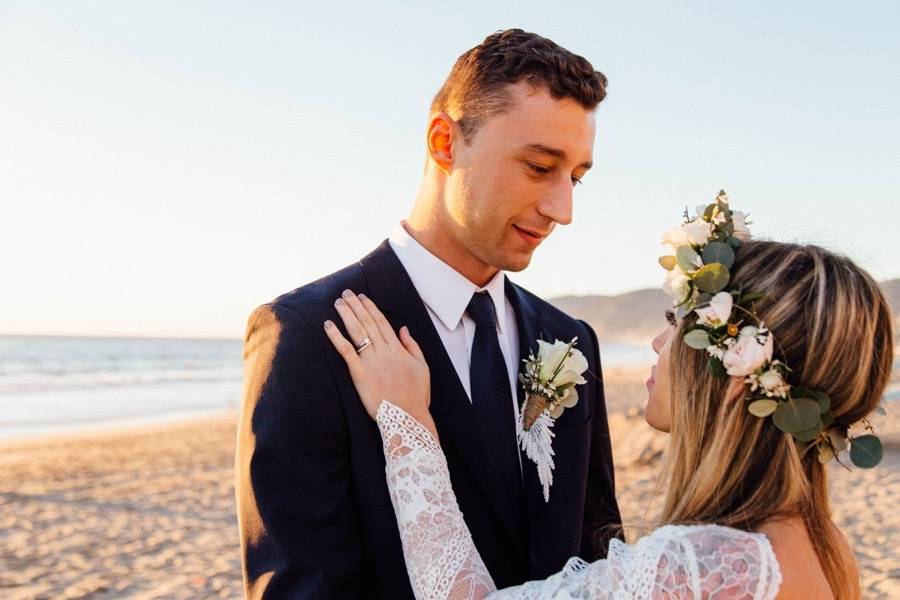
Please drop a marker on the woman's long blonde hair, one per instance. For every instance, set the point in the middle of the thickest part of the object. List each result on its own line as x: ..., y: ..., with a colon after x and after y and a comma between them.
x: 834, y: 329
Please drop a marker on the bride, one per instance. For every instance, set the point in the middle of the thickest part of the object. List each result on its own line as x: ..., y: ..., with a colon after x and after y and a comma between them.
x: 775, y: 355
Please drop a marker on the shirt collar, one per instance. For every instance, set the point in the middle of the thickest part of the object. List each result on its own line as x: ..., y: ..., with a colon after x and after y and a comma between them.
x: 442, y: 288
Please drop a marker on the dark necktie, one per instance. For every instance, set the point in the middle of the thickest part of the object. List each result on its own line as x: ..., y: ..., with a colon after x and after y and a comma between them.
x: 492, y: 401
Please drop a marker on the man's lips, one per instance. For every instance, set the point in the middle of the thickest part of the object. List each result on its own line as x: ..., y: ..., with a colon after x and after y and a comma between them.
x: 531, y: 235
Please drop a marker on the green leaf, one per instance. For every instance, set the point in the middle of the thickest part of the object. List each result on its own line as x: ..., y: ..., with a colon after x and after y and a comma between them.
x: 821, y: 398
x: 762, y: 408
x: 796, y: 415
x: 808, y: 435
x: 712, y: 278
x: 717, y: 252
x: 667, y: 262
x: 879, y: 410
x: 727, y: 229
x: 751, y: 297
x: 716, y: 368
x: 697, y: 339
x: 686, y: 258
x: 708, y: 213
x: 733, y: 242
x: 866, y: 451
x: 827, y: 419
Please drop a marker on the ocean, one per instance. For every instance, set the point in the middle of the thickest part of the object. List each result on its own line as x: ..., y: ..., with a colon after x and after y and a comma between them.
x: 58, y: 384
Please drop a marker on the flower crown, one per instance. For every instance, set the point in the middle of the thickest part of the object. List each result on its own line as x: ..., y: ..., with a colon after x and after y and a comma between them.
x: 699, y: 273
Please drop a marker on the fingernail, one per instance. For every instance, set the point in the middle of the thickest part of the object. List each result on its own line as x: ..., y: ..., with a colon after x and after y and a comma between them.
x: 362, y: 296
x: 339, y: 302
x: 328, y: 324
x: 347, y: 294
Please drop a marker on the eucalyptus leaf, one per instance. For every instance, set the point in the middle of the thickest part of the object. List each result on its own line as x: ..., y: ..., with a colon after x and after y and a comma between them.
x: 826, y: 453
x: 667, y: 262
x: 697, y: 339
x: 808, y: 435
x: 866, y: 451
x: 728, y: 228
x: 686, y: 258
x: 716, y: 368
x: 717, y: 252
x: 712, y: 279
x: 750, y: 297
x: 796, y: 415
x: 762, y: 408
x: 733, y: 242
x: 708, y: 213
x: 879, y: 410
x: 827, y: 419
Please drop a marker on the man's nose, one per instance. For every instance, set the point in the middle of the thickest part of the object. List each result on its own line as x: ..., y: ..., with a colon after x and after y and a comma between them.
x: 557, y: 205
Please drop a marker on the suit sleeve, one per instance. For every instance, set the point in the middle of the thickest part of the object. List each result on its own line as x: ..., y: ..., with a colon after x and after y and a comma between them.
x: 602, y: 520
x: 299, y: 535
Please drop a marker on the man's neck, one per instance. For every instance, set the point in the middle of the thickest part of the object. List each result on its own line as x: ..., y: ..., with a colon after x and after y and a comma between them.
x: 457, y: 258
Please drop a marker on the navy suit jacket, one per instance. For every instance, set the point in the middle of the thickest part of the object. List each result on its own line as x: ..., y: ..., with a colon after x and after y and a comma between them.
x: 314, y: 512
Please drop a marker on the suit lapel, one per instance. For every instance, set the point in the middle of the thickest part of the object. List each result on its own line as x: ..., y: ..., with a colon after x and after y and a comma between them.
x: 393, y: 292
x: 528, y: 324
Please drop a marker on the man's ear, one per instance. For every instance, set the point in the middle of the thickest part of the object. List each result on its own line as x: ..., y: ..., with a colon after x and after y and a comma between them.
x: 442, y: 133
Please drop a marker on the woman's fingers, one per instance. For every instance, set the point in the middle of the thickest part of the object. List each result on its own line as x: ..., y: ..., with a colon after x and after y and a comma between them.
x: 410, y: 344
x: 363, y: 316
x: 344, y: 348
x: 387, y: 332
x: 356, y: 329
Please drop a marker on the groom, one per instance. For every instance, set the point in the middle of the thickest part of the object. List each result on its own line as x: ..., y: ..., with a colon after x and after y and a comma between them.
x: 510, y: 136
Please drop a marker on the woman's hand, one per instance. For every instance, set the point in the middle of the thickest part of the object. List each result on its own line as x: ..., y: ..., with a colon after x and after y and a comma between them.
x: 390, y: 368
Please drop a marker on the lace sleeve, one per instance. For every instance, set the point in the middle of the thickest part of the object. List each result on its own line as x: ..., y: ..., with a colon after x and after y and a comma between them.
x: 685, y: 562
x: 440, y: 556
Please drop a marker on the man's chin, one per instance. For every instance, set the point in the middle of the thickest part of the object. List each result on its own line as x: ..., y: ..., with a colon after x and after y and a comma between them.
x: 515, y: 262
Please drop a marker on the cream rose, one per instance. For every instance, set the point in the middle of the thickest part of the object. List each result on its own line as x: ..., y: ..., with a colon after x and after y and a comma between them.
x: 677, y: 286
x: 748, y: 355
x: 718, y: 311
x: 698, y: 231
x: 739, y: 220
x: 550, y: 357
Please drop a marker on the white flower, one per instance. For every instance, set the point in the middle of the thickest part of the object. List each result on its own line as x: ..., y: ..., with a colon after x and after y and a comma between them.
x: 773, y: 383
x: 698, y: 231
x: 674, y: 238
x: 718, y: 311
x: 748, y: 354
x: 716, y: 351
x: 739, y: 220
x: 677, y: 286
x: 573, y: 365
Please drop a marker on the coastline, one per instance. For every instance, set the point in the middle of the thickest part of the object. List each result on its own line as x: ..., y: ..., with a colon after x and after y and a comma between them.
x: 148, y: 510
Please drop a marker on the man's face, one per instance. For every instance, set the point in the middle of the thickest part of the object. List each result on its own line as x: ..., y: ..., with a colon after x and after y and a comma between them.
x: 513, y: 183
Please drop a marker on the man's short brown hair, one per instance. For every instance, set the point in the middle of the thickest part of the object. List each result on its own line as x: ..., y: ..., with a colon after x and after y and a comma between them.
x: 476, y: 86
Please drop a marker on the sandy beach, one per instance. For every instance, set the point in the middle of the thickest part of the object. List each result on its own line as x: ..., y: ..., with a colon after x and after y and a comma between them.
x: 148, y: 512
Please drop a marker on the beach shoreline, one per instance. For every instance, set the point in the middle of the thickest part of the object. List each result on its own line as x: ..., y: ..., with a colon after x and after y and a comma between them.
x: 148, y: 511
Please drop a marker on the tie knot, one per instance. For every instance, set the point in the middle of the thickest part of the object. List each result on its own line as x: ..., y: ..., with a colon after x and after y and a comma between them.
x: 481, y: 309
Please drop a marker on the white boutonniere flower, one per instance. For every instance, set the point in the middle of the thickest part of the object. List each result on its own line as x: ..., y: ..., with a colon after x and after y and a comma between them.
x: 549, y: 379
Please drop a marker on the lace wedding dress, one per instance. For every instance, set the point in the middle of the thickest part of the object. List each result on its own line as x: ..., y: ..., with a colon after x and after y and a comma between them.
x: 674, y: 562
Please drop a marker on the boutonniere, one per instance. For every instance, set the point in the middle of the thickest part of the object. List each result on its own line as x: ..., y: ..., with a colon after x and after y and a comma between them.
x: 549, y: 379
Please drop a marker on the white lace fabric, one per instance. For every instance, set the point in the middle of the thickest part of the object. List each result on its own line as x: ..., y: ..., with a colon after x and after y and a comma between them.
x: 674, y: 562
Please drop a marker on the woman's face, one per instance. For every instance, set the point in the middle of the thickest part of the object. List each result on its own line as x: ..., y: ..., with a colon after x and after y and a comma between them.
x: 659, y: 404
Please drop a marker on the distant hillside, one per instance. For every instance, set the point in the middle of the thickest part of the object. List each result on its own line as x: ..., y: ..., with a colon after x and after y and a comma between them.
x: 638, y: 316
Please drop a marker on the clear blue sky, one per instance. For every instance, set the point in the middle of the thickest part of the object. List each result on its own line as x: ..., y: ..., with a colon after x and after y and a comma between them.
x: 167, y: 166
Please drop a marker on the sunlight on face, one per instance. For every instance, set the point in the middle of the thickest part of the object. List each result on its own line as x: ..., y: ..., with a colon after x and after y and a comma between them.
x: 513, y: 183
x: 659, y: 403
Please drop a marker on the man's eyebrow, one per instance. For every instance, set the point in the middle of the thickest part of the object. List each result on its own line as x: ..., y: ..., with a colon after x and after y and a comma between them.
x: 554, y: 152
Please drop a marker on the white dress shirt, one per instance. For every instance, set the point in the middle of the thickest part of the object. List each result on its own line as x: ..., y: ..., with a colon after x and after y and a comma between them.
x: 446, y: 294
